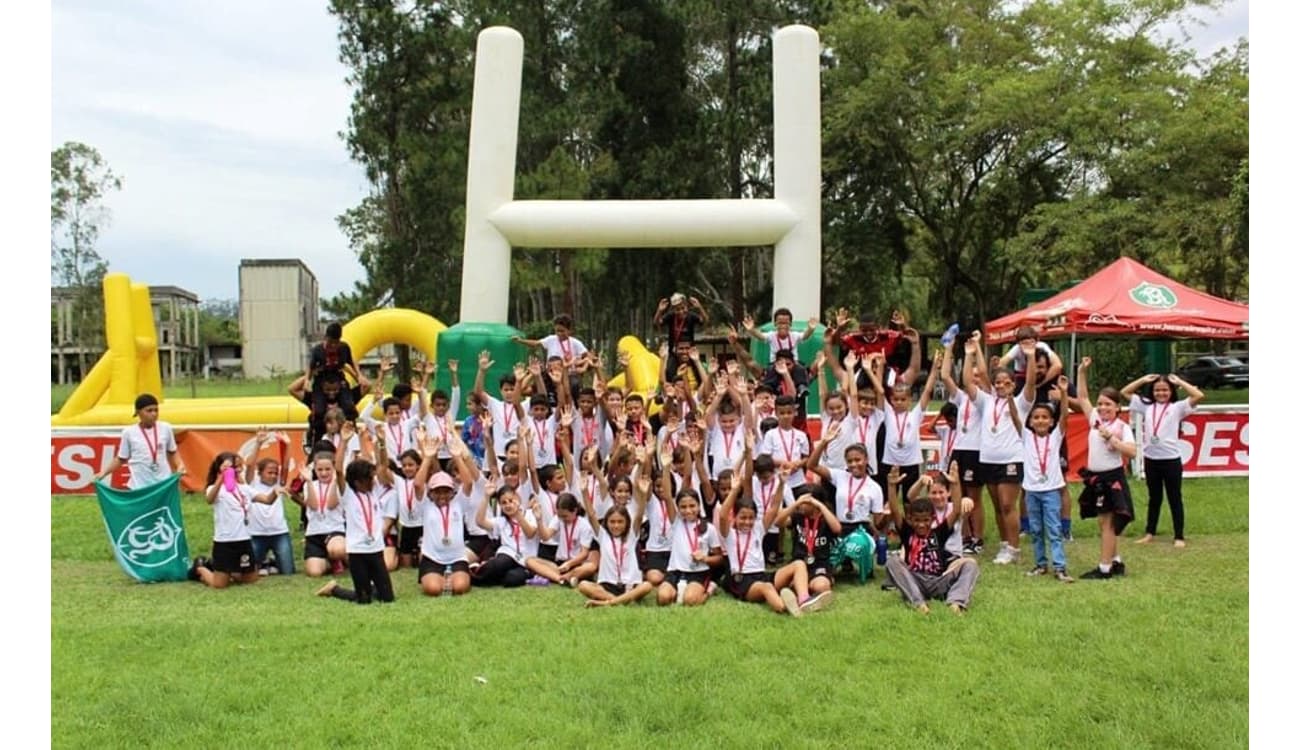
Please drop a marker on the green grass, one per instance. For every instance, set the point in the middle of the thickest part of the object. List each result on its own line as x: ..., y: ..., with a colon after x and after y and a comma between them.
x: 1154, y: 660
x: 217, y: 388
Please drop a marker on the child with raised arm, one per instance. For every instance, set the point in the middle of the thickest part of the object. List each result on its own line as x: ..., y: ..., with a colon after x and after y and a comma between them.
x: 1043, y: 482
x: 815, y: 530
x: 561, y: 343
x: 924, y: 568
x: 1105, y: 494
x: 363, y: 510
x: 517, y: 530
x: 859, y: 501
x: 782, y: 338
x: 784, y: 591
x: 408, y: 488
x: 232, y: 545
x: 506, y: 413
x: 1152, y: 396
x: 148, y: 448
x: 329, y: 361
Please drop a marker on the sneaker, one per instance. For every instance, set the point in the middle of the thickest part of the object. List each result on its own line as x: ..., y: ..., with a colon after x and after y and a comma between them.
x: 193, y: 573
x: 1038, y: 570
x: 681, y: 592
x: 888, y: 587
x: 1095, y: 575
x: 327, y: 589
x: 1003, y: 557
x: 1117, y: 568
x: 1063, y: 577
x: 791, y: 603
x: 818, y: 602
x: 263, y: 571
x: 538, y: 581
x: 979, y: 546
x: 712, y: 588
x: 1014, y: 553
x: 968, y: 549
x: 272, y: 570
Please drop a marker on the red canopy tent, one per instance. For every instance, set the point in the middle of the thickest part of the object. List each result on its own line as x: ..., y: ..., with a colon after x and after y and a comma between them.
x: 1126, y: 298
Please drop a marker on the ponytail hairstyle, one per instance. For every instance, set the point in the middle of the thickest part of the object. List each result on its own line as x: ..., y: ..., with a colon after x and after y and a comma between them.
x: 214, y: 469
x: 566, y: 501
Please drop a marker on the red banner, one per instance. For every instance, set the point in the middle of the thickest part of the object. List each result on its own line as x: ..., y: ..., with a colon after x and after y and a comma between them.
x: 77, y: 455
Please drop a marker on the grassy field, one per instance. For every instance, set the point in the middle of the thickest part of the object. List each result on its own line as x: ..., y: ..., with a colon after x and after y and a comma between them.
x: 1154, y: 660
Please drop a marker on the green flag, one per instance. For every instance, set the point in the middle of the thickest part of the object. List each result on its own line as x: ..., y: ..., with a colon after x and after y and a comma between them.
x: 145, y: 529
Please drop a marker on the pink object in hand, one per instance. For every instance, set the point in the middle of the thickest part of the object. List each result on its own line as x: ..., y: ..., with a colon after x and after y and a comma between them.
x: 228, y: 479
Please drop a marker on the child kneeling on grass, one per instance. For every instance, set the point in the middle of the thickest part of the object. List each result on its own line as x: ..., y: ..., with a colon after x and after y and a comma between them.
x: 924, y: 568
x: 363, y: 511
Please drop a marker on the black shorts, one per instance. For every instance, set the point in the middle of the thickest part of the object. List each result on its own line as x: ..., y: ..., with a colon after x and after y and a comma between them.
x: 408, y: 542
x: 821, y: 568
x: 1107, y: 492
x: 968, y: 466
x: 677, y: 576
x: 547, y: 551
x: 848, y: 527
x: 1002, y: 473
x: 428, y: 566
x: 614, y: 589
x: 317, y: 545
x: 235, y: 558
x: 481, y: 545
x: 739, y: 587
x: 655, y: 561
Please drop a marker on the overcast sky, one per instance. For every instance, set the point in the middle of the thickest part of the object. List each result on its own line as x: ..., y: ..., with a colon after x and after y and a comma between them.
x: 223, y: 119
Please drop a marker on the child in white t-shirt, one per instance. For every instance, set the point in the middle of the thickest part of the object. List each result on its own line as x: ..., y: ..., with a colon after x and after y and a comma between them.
x: 782, y: 338
x: 1042, y: 482
x: 148, y: 448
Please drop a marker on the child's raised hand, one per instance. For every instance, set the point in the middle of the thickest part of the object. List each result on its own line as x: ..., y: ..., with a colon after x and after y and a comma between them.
x: 912, y: 335
x: 663, y: 350
x: 781, y: 367
x: 842, y: 317
x: 850, y: 360
x: 535, y: 367
x: 623, y: 358
x: 694, y: 354
x: 733, y: 367
x: 566, y: 419
x: 732, y: 335
x: 520, y: 371
x: 486, y: 420
x: 643, y: 485
x: 954, y: 472
x: 485, y: 360
x: 386, y: 365
x: 819, y: 360
x: 348, y: 430
x: 895, y: 476
x: 747, y: 322
x: 663, y: 305
x: 831, y: 432
x: 1172, y: 379
x: 967, y: 505
x: 1085, y: 363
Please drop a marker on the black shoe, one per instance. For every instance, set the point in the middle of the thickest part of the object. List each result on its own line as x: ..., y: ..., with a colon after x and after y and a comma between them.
x: 1117, y: 568
x: 888, y: 587
x: 1096, y: 575
x: 193, y: 573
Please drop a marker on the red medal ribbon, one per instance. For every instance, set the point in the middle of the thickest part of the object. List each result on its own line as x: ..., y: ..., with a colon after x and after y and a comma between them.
x: 853, y: 493
x: 740, y: 558
x: 153, y: 446
x: 1155, y: 423
x: 320, y: 495
x: 541, y: 433
x: 1041, y: 455
x: 901, y: 426
x: 566, y: 348
x: 965, y: 415
x: 569, y: 536
x: 997, y: 403
x: 367, y: 512
x: 397, y: 437
x: 445, y: 512
x: 514, y: 532
x: 507, y: 411
x: 765, y: 496
x: 619, y: 552
x: 692, y: 536
x: 947, y: 448
x: 663, y: 516
x: 789, y: 449
x: 588, y: 430
x: 410, y: 497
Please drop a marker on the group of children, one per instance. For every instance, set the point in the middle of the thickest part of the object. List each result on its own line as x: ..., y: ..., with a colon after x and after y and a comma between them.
x: 563, y: 482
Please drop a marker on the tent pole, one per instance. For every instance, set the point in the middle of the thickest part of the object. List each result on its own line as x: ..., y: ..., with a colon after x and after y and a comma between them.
x: 1074, y: 340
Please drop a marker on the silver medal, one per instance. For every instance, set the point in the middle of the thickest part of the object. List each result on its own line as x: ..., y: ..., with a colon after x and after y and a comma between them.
x: 1155, y: 439
x: 446, y: 541
x: 369, y: 540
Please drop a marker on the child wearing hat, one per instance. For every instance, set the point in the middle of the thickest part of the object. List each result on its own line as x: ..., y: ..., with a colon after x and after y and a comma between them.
x: 148, y: 448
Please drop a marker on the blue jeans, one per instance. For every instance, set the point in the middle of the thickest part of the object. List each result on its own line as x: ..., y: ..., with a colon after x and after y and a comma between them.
x: 281, y: 545
x: 1045, y: 518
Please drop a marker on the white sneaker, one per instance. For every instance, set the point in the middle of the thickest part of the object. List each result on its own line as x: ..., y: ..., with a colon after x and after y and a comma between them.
x: 819, y: 602
x: 791, y: 603
x: 1003, y: 557
x: 681, y: 592
x: 1014, y: 554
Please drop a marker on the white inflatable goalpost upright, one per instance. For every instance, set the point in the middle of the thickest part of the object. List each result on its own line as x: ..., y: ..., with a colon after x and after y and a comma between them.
x: 494, y: 221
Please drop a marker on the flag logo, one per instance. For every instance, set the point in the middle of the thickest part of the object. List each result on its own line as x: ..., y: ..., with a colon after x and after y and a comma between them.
x: 150, y: 540
x: 1153, y: 295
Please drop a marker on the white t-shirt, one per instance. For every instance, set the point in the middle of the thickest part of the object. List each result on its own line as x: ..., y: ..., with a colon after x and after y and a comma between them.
x: 352, y: 449
x: 786, y: 445
x: 570, y: 348
x: 570, y: 538
x: 968, y: 423
x: 868, y: 498
x: 1161, y: 424
x: 947, y: 443
x: 505, y: 425
x: 776, y: 343
x: 445, y: 426
x: 446, y: 522
x: 661, y: 529
x: 320, y: 518
x: 903, y: 428
x: 230, y: 513
x: 408, y: 496
x: 763, y: 497
x: 1018, y: 358
x: 1042, y: 461
x: 744, y: 551
x: 1000, y: 443
x: 864, y: 432
x: 364, y: 517
x: 263, y: 519
x: 476, y: 497
x: 728, y: 452
x: 144, y: 450
x: 685, y: 541
x: 618, y: 562
x: 833, y: 456
x: 543, y: 440
x: 514, y: 541
x: 1101, y: 457
x: 587, y: 431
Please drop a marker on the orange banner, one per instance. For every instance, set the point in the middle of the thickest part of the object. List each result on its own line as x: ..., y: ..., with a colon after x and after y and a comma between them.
x: 76, y: 456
